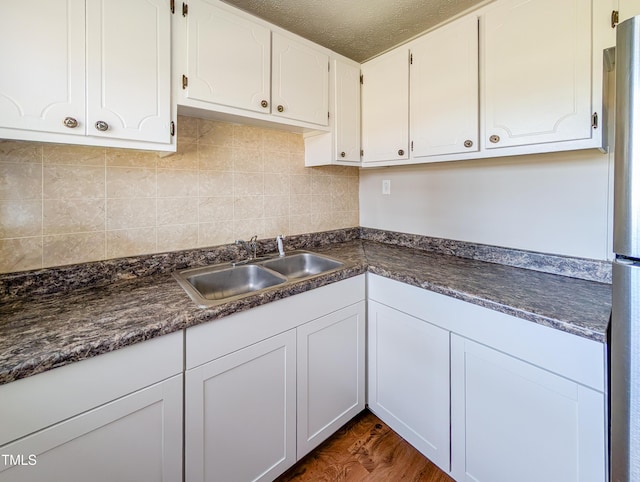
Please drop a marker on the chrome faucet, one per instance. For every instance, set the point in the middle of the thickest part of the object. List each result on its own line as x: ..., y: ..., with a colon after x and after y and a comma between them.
x: 279, y: 239
x: 251, y: 246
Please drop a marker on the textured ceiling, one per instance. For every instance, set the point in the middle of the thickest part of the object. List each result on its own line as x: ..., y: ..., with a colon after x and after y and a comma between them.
x: 358, y: 29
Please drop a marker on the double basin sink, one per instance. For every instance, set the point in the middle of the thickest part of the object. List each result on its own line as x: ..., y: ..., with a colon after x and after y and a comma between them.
x: 220, y: 283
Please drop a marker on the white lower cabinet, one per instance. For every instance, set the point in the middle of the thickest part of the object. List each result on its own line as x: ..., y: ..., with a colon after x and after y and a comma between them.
x: 511, y: 420
x: 331, y: 371
x: 103, y: 419
x: 240, y: 413
x: 409, y: 379
x: 528, y: 402
x: 254, y: 376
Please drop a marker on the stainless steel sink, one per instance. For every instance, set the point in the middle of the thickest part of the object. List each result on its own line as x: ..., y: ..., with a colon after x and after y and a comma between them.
x: 216, y: 283
x: 302, y: 264
x: 220, y: 283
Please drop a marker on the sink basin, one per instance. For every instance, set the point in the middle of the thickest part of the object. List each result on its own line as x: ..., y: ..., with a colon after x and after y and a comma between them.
x: 215, y: 283
x: 301, y: 265
x: 220, y: 283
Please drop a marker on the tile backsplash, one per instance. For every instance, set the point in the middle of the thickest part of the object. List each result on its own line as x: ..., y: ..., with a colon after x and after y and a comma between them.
x: 63, y: 204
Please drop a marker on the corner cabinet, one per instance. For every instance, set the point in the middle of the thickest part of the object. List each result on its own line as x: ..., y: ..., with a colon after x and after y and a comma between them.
x: 527, y: 402
x: 265, y: 386
x: 117, y: 416
x: 230, y: 65
x: 90, y: 72
x: 408, y: 368
x: 341, y: 146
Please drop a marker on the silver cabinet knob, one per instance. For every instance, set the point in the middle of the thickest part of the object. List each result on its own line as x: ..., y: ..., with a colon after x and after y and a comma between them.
x: 280, y: 108
x: 401, y: 152
x: 102, y: 126
x: 495, y: 139
x: 468, y: 143
x: 70, y: 122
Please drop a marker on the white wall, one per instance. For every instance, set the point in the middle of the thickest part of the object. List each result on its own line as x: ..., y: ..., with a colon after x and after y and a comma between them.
x: 553, y: 203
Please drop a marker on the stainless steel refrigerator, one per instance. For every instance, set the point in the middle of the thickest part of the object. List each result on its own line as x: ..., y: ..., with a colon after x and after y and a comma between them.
x: 625, y: 313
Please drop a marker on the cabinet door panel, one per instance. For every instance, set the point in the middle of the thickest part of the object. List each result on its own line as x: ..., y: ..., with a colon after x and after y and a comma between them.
x: 409, y: 379
x: 240, y: 413
x: 445, y: 61
x: 43, y: 62
x: 347, y: 112
x: 537, y: 88
x: 129, y: 62
x: 385, y: 107
x: 228, y: 58
x: 300, y: 81
x: 135, y: 438
x: 514, y: 421
x: 330, y: 388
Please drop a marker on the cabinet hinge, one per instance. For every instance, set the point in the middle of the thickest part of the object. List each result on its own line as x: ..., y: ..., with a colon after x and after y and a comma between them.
x: 185, y: 9
x: 361, y: 79
x: 328, y: 115
x: 410, y: 59
x: 361, y: 152
x: 411, y: 146
x: 594, y: 120
x: 172, y: 128
x: 328, y: 66
x: 185, y: 81
x: 172, y: 6
x: 615, y: 18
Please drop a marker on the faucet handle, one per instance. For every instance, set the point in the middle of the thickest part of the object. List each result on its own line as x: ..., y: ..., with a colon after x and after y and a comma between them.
x: 279, y: 239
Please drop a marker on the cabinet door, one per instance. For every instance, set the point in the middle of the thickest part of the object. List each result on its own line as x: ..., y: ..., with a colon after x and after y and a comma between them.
x: 346, y: 111
x: 537, y: 87
x: 240, y: 413
x: 228, y: 58
x: 129, y: 69
x: 408, y: 379
x: 300, y: 81
x: 514, y: 421
x: 43, y: 63
x: 444, y: 90
x: 385, y: 107
x: 331, y: 356
x: 137, y: 437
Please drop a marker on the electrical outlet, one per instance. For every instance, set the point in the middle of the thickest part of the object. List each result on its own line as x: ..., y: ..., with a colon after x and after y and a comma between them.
x: 386, y: 186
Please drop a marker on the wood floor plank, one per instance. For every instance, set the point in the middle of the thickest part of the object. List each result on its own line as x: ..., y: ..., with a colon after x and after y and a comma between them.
x: 365, y: 450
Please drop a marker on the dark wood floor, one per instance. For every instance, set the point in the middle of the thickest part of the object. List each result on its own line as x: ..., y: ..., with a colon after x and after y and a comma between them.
x: 364, y: 450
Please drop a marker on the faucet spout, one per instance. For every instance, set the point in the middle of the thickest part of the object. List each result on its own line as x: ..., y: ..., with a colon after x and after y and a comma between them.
x: 251, y: 246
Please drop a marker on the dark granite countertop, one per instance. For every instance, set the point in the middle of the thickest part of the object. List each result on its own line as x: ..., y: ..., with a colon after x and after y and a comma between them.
x: 46, y: 331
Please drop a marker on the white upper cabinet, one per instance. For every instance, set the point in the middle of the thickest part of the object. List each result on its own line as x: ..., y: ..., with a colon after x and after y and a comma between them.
x: 536, y: 62
x: 445, y: 61
x: 228, y: 58
x: 385, y: 107
x: 43, y: 62
x: 230, y: 65
x: 628, y: 9
x: 300, y: 81
x: 341, y: 146
x: 119, y: 96
x: 129, y: 69
x: 346, y: 111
